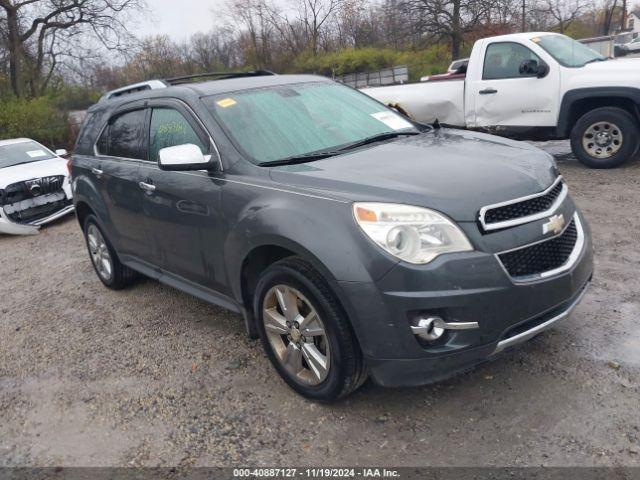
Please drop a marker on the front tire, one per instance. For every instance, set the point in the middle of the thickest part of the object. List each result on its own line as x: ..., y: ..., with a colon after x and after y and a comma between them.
x: 605, y: 137
x: 104, y: 258
x: 305, y: 332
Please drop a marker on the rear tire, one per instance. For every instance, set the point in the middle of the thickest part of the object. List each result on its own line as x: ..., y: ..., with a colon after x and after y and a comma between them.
x: 104, y: 258
x: 605, y: 137
x: 292, y: 291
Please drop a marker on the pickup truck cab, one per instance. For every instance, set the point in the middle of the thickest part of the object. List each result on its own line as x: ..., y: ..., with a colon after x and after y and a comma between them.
x: 536, y: 86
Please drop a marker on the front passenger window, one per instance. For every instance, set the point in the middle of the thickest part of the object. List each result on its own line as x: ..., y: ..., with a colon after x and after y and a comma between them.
x: 168, y: 129
x: 503, y: 60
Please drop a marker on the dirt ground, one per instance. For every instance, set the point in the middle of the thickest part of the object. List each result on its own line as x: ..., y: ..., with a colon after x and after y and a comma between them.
x: 150, y: 376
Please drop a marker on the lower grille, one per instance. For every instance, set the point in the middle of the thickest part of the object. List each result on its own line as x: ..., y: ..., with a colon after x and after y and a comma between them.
x: 541, y: 257
x: 39, y: 212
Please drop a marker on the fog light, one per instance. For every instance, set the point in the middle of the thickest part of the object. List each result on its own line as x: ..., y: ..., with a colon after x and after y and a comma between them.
x: 429, y: 329
x: 432, y: 327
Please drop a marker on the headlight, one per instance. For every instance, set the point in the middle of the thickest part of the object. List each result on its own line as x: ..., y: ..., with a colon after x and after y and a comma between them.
x: 413, y: 234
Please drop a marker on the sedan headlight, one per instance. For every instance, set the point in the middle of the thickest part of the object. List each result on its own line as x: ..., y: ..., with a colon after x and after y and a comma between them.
x: 413, y: 234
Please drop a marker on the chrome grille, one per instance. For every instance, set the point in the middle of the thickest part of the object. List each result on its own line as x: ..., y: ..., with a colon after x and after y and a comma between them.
x: 19, y: 191
x: 523, y: 210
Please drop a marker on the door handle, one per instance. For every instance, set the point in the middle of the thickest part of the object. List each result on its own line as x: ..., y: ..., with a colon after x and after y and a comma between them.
x: 488, y: 91
x: 147, y: 187
x: 97, y: 172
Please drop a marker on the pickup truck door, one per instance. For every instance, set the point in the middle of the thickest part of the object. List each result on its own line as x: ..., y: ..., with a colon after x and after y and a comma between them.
x: 505, y: 95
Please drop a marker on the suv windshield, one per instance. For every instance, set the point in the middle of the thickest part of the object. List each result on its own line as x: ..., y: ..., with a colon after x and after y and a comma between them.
x: 567, y: 51
x: 23, y: 152
x: 293, y: 121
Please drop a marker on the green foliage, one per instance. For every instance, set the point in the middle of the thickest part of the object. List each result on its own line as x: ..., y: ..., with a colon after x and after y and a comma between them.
x: 37, y: 118
x: 71, y: 97
x: 433, y: 59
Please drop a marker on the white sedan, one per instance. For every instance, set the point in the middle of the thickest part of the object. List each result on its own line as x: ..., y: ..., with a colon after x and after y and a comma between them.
x: 34, y: 186
x: 632, y: 47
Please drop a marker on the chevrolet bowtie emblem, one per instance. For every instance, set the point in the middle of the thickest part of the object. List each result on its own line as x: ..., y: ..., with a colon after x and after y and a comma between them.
x: 555, y: 225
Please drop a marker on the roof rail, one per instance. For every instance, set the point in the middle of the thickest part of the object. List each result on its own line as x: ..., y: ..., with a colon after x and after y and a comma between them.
x: 135, y: 88
x: 218, y: 76
x: 156, y: 84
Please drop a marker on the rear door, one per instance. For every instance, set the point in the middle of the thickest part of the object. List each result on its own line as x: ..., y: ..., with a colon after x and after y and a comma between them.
x: 504, y: 96
x: 182, y: 209
x: 119, y: 150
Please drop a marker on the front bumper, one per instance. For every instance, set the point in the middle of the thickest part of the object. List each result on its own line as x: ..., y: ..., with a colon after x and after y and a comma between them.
x: 12, y: 228
x: 466, y: 287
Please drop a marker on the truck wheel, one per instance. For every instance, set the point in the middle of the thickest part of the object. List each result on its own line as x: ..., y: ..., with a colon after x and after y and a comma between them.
x: 605, y: 138
x: 104, y: 258
x: 305, y: 332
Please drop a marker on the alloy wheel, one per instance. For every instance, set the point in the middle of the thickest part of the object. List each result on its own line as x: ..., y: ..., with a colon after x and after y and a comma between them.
x: 99, y: 252
x: 296, y: 334
x: 602, y: 139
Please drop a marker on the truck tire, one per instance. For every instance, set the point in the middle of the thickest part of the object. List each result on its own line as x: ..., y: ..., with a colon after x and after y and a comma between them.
x: 605, y: 137
x: 104, y: 258
x: 305, y: 332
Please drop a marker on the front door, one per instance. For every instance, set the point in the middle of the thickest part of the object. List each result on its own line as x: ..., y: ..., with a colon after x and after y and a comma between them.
x: 183, y: 208
x: 507, y: 96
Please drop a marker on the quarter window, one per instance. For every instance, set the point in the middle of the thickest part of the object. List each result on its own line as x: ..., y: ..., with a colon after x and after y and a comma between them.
x: 503, y: 60
x: 124, y: 135
x: 168, y: 129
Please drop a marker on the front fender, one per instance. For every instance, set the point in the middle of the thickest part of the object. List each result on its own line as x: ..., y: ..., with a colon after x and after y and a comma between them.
x: 598, y: 94
x: 322, y: 231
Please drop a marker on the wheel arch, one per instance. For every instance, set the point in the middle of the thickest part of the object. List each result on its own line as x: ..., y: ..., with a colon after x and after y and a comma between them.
x: 83, y: 210
x: 259, y: 257
x: 576, y: 103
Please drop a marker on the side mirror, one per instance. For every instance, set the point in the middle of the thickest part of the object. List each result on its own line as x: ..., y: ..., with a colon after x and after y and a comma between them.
x: 528, y: 67
x: 62, y: 153
x: 543, y: 70
x: 184, y: 157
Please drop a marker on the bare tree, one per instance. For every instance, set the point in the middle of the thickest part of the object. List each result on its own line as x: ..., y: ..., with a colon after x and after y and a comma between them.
x: 39, y: 31
x: 214, y: 50
x: 254, y: 19
x: 448, y: 19
x: 315, y: 16
x: 563, y: 12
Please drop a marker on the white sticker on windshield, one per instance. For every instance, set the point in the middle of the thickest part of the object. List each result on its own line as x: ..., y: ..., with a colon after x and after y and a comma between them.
x: 392, y: 120
x: 37, y: 153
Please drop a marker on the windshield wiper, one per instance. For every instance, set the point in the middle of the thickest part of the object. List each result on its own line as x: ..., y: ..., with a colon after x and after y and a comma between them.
x: 377, y: 138
x: 601, y: 59
x: 309, y: 157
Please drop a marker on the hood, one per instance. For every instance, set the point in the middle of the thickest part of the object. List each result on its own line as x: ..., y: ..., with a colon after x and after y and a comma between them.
x: 619, y: 65
x: 454, y: 172
x: 29, y: 171
x: 621, y: 72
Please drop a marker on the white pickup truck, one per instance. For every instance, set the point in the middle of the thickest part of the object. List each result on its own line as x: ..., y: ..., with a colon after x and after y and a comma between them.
x: 536, y: 86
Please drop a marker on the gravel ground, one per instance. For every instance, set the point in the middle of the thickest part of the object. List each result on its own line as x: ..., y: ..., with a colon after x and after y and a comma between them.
x: 150, y: 376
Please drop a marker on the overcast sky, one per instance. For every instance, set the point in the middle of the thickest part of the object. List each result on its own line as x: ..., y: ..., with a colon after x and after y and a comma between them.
x: 178, y: 18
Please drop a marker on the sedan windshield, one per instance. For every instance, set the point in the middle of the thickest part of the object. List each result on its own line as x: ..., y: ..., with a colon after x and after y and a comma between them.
x: 303, y: 121
x: 23, y: 152
x: 567, y: 51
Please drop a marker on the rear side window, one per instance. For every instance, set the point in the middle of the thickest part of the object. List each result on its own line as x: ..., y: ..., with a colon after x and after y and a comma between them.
x: 124, y: 136
x: 503, y: 60
x: 168, y: 129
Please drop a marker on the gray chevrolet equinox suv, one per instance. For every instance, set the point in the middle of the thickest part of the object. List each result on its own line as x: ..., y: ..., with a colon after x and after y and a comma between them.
x: 353, y: 241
